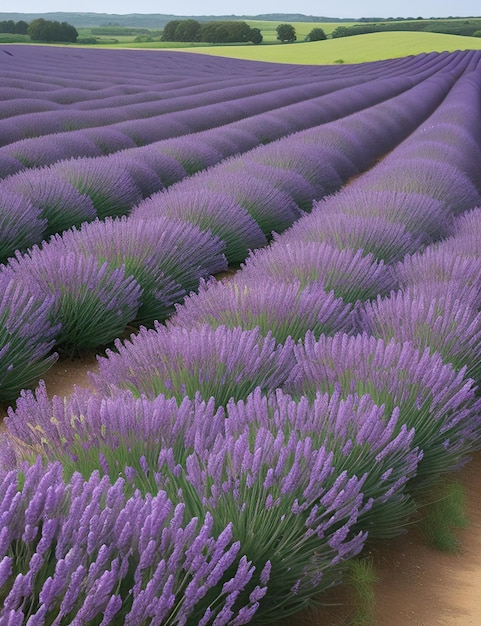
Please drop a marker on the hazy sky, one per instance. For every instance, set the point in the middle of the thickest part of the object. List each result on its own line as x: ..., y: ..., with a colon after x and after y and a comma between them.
x: 341, y: 8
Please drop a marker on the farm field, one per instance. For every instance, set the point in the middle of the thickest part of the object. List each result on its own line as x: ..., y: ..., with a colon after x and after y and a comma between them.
x: 355, y: 49
x: 278, y: 268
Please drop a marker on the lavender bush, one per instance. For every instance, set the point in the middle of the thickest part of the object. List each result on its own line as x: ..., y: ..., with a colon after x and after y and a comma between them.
x: 223, y: 363
x: 26, y: 336
x: 95, y: 555
x: 432, y: 317
x: 111, y: 189
x: 214, y: 212
x: 166, y: 257
x: 300, y: 536
x: 438, y: 402
x: 92, y: 301
x: 283, y: 309
x: 350, y: 274
x: 62, y: 206
x: 21, y: 223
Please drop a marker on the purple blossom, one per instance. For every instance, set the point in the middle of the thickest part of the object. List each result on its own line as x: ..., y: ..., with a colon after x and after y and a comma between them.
x: 283, y: 309
x: 220, y: 362
x: 26, y: 336
x: 351, y: 274
x: 385, y: 240
x: 432, y: 397
x: 215, y: 212
x: 60, y: 203
x: 442, y: 181
x: 93, y: 302
x: 433, y: 317
x: 166, y: 257
x: 21, y: 223
x: 108, y: 185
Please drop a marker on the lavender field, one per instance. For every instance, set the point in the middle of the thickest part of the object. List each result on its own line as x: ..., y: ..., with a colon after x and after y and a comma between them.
x: 278, y: 266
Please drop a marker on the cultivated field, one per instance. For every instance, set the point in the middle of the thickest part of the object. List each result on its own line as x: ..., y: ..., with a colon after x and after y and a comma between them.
x: 278, y: 268
x: 356, y: 49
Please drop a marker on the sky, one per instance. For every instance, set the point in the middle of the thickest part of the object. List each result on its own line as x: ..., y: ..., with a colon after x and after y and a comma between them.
x: 341, y: 8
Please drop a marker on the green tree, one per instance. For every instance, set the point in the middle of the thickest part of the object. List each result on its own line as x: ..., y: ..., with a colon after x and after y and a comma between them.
x: 316, y: 34
x: 286, y: 32
x: 21, y: 27
x: 187, y: 31
x: 168, y: 33
x: 47, y: 30
x: 255, y: 36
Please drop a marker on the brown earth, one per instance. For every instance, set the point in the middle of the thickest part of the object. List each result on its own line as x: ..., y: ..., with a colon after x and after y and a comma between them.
x: 418, y: 585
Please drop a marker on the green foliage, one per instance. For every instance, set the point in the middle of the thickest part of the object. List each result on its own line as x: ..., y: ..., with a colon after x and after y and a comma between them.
x: 361, y: 577
x: 444, y: 514
x: 448, y: 27
x: 14, y: 28
x: 286, y: 33
x: 316, y: 34
x: 187, y: 30
x: 219, y: 31
x: 46, y: 30
x: 11, y: 38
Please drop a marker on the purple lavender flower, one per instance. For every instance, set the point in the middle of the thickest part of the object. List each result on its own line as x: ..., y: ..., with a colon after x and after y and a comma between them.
x: 434, y: 399
x: 26, y: 336
x: 111, y: 189
x: 441, y: 181
x: 387, y: 241
x: 215, y: 212
x: 283, y: 309
x: 272, y: 208
x: 430, y: 316
x: 351, y: 274
x: 420, y: 214
x: 221, y: 363
x: 60, y: 203
x: 93, y: 302
x: 445, y: 266
x: 21, y: 223
x: 297, y: 186
x: 166, y: 257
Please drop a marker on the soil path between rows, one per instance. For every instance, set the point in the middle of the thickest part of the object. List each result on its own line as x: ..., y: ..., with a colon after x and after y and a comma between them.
x: 418, y: 585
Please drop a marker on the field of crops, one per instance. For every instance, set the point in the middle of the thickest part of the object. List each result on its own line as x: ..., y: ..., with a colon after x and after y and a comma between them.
x: 243, y: 438
x: 356, y: 49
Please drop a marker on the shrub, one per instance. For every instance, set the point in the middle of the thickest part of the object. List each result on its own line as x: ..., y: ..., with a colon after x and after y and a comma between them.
x: 223, y: 363
x: 21, y: 223
x: 92, y: 301
x: 213, y: 212
x: 280, y: 308
x: 436, y: 401
x: 26, y: 336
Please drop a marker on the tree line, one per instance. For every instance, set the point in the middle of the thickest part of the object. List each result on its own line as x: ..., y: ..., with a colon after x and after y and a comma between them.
x: 211, y: 32
x: 467, y: 28
x: 41, y: 30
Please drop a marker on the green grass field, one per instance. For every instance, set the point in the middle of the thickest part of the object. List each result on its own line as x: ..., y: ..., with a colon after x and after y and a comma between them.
x: 357, y: 49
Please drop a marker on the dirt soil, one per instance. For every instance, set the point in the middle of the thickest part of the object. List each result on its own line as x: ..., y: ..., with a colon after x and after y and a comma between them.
x: 418, y: 585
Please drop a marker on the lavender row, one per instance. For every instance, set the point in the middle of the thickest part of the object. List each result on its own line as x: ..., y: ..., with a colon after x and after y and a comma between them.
x: 46, y: 70
x: 247, y: 99
x: 237, y: 448
x: 183, y: 116
x: 19, y: 123
x: 210, y: 94
x: 230, y: 219
x: 71, y: 192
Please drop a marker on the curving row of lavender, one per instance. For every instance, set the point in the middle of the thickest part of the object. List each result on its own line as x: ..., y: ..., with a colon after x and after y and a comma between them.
x: 235, y: 454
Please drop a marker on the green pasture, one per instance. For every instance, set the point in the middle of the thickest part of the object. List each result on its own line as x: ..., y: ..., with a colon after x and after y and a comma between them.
x: 356, y: 49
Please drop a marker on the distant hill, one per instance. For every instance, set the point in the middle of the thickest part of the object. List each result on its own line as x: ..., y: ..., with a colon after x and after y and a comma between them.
x: 157, y: 20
